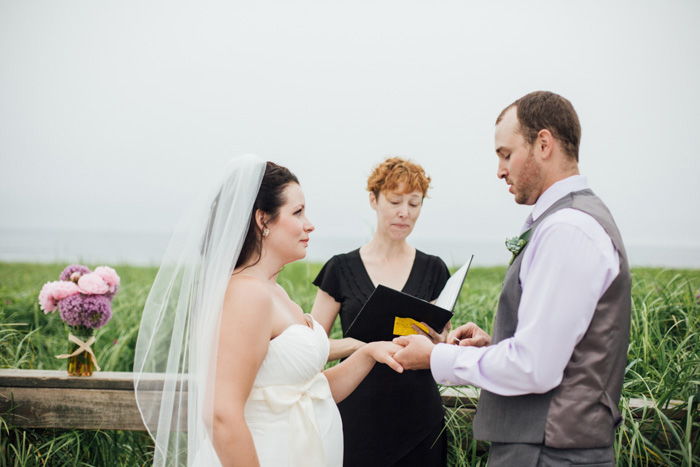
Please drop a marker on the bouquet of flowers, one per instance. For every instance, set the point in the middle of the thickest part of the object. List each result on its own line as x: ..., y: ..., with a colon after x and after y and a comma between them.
x: 84, y: 301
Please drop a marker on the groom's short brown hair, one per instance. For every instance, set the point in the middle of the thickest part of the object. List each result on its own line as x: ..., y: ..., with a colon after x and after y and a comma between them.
x: 544, y: 110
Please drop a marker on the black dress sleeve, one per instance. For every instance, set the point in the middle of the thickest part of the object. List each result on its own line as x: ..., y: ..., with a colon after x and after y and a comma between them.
x: 328, y: 279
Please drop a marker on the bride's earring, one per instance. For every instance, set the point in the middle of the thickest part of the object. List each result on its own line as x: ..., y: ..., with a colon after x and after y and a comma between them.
x: 266, y: 232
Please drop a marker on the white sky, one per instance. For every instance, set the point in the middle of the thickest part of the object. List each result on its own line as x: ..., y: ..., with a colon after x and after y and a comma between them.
x: 113, y: 115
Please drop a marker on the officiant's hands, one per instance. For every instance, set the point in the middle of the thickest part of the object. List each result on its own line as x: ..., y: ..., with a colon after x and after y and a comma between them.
x: 432, y: 334
x: 469, y: 334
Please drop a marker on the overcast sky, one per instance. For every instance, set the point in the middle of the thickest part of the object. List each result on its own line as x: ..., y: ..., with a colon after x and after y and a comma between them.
x: 114, y: 115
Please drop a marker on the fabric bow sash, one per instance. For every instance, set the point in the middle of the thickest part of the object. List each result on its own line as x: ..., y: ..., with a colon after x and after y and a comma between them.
x: 305, y: 444
x: 82, y: 347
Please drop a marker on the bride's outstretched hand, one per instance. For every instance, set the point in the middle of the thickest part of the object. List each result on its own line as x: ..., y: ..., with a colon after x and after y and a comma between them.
x: 469, y: 334
x: 383, y: 352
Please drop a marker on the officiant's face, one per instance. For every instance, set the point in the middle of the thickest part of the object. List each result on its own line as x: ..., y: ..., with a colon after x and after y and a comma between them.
x: 397, y: 211
x: 517, y: 164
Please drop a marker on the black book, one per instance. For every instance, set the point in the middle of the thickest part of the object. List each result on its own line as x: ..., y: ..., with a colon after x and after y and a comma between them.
x: 389, y: 313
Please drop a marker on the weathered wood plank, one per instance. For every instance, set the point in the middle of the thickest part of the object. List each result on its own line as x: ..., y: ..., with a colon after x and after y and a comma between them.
x: 59, y: 379
x: 468, y: 397
x: 52, y: 399
x: 90, y: 409
x: 465, y: 397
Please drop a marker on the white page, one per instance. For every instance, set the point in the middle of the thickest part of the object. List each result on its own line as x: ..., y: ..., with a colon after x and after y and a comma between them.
x: 448, y: 296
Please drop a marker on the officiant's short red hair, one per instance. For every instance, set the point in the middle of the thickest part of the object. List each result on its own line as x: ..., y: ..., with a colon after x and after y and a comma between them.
x: 395, y: 171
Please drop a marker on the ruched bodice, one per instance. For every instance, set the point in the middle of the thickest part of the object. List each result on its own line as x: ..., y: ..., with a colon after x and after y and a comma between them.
x: 290, y: 411
x: 295, y: 356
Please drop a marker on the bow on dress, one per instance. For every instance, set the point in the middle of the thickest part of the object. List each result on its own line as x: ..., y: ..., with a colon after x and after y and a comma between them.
x: 305, y: 445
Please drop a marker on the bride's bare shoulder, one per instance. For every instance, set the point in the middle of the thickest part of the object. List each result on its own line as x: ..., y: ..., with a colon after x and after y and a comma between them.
x: 246, y: 294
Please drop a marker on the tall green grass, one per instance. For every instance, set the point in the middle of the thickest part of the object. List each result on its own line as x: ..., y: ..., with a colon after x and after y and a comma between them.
x: 663, y: 364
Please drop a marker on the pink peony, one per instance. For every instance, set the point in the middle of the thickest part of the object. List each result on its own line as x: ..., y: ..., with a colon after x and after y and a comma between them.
x: 110, y: 276
x: 92, y: 284
x: 52, y: 292
x: 64, y: 289
x: 46, y: 301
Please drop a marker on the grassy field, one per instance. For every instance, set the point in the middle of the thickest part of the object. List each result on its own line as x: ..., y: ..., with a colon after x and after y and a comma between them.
x: 663, y: 363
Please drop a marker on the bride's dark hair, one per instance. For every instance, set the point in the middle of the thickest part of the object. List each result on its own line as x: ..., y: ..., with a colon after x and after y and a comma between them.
x: 269, y: 200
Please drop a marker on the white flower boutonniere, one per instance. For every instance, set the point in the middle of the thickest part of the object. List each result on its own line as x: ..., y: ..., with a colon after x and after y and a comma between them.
x: 516, y: 244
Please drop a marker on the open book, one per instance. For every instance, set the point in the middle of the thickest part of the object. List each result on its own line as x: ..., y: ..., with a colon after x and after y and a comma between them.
x: 388, y: 312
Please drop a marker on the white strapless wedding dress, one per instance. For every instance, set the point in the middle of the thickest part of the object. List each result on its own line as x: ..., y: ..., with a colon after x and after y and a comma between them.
x: 290, y: 412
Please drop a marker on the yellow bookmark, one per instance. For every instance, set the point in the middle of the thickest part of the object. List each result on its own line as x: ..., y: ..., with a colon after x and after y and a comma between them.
x: 402, y: 326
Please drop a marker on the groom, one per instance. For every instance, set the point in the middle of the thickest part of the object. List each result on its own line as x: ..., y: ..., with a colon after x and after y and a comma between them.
x: 552, y: 376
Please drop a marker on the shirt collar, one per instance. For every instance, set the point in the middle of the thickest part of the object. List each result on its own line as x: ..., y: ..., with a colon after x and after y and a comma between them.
x: 556, y: 192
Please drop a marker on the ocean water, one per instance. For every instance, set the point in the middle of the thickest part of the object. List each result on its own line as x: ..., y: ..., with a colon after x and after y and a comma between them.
x: 148, y: 248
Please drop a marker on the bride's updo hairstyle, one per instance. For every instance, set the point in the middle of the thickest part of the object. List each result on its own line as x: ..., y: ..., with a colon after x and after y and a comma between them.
x: 269, y: 200
x: 394, y: 171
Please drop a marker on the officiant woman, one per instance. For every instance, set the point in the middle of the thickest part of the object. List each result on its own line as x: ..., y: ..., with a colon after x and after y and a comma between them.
x: 391, y: 419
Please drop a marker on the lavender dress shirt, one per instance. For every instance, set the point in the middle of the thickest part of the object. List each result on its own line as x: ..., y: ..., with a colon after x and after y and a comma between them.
x: 567, y: 267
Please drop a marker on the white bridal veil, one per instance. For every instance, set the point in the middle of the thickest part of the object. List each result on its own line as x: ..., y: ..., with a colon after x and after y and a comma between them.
x: 175, y: 355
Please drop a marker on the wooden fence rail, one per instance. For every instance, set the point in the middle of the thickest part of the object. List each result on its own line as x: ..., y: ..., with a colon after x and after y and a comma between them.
x: 105, y: 401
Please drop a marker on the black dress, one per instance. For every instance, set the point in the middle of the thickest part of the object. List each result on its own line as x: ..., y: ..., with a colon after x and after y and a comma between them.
x: 391, y: 418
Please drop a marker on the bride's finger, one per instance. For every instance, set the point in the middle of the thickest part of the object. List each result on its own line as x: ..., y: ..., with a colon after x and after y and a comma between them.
x: 393, y: 364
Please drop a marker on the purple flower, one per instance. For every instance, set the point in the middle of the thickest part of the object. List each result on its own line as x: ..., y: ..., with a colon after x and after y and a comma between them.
x: 111, y: 295
x: 71, y: 310
x: 91, y: 311
x: 73, y: 272
x: 97, y: 311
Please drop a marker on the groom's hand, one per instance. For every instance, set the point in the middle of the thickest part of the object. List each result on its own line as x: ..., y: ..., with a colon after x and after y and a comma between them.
x: 416, y: 352
x: 469, y: 334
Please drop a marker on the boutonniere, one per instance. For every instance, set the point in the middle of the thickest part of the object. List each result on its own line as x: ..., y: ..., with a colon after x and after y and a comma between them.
x: 516, y: 244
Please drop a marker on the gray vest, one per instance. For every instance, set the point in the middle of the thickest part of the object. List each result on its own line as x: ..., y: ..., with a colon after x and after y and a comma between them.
x: 582, y: 412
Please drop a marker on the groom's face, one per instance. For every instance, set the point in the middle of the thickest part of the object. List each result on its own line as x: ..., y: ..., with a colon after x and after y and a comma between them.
x: 517, y: 163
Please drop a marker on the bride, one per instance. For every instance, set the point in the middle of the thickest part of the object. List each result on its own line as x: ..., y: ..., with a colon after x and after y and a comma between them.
x: 223, y: 353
